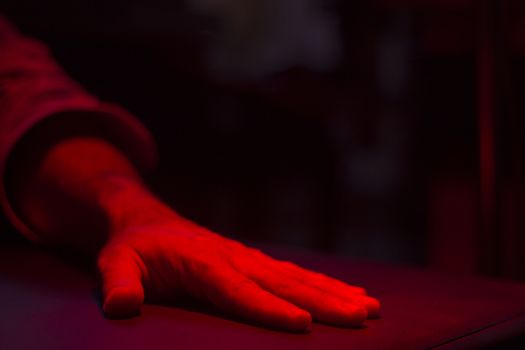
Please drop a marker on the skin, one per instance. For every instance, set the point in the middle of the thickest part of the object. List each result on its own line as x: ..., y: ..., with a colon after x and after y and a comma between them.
x: 148, y: 251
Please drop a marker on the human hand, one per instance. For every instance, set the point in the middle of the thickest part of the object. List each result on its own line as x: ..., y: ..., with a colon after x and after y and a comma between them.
x: 150, y: 251
x: 170, y: 257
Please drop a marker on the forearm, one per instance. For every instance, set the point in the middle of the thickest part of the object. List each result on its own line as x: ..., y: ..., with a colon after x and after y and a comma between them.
x: 78, y: 192
x: 152, y: 252
x: 41, y: 105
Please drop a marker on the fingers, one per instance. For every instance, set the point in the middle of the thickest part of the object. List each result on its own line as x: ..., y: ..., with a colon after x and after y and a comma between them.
x: 325, y: 284
x: 121, y: 274
x: 232, y: 292
x: 372, y: 305
x: 351, y: 294
x: 328, y: 285
x: 318, y: 279
x: 324, y: 307
x: 313, y: 278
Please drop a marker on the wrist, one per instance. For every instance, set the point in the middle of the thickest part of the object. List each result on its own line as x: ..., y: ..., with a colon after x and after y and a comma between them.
x: 128, y: 203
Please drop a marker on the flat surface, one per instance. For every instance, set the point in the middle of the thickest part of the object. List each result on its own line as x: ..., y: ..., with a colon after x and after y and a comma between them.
x: 50, y: 304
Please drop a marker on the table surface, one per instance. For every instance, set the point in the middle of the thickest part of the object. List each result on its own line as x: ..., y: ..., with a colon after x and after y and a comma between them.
x: 48, y: 303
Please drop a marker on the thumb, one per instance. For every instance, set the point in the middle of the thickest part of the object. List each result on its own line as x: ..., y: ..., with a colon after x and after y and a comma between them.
x: 120, y: 269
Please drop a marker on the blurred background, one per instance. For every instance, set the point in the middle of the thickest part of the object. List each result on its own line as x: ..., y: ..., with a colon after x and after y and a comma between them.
x: 387, y: 130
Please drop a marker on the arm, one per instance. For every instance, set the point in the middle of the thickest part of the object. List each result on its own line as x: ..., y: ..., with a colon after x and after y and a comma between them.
x: 36, y: 93
x: 78, y: 190
x: 150, y: 250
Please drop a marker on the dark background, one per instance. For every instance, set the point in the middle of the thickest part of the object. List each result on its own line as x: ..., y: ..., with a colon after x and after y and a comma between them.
x: 374, y: 157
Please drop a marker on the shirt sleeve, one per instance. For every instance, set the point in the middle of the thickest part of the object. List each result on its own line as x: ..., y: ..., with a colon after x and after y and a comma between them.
x: 33, y: 88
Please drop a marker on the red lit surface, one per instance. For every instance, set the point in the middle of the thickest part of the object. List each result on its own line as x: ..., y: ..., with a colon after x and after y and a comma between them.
x: 49, y: 304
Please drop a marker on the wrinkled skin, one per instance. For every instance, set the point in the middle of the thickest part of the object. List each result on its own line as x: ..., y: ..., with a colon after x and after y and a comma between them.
x: 178, y: 258
x: 150, y: 252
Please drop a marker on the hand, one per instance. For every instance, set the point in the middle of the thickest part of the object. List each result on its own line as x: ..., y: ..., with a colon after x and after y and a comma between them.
x: 151, y: 251
x: 172, y: 257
